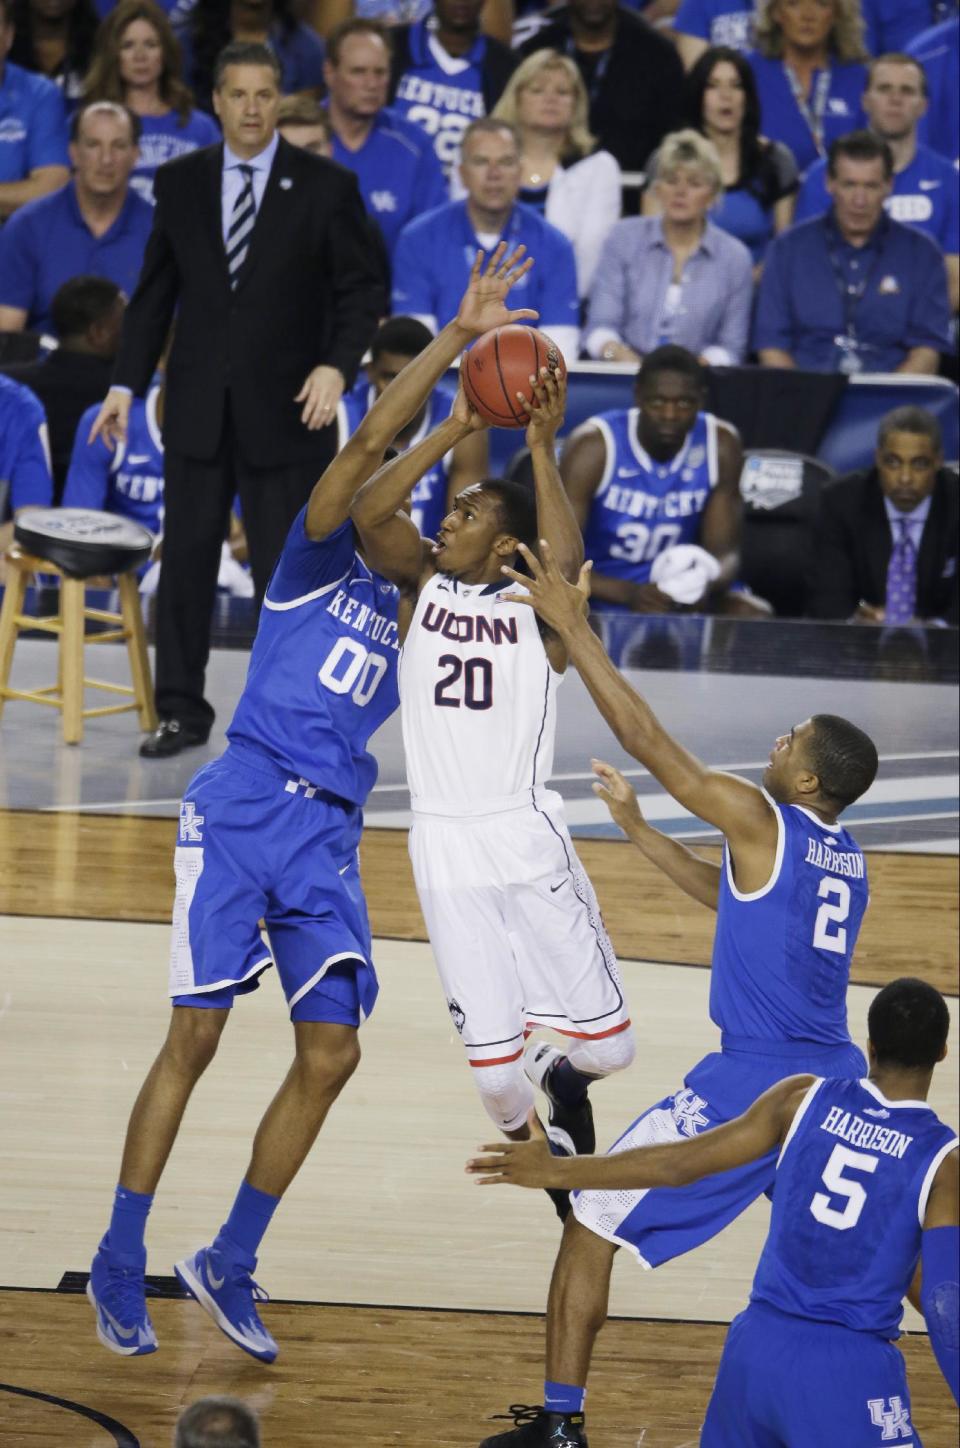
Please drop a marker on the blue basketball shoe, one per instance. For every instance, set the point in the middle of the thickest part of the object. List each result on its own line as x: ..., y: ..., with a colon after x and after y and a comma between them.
x: 224, y: 1288
x: 117, y: 1295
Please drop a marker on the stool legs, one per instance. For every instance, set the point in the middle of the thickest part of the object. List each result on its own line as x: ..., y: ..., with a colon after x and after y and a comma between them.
x: 13, y: 597
x: 72, y: 602
x: 132, y: 616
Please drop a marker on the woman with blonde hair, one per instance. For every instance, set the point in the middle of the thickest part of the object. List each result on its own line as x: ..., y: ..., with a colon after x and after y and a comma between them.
x: 564, y: 177
x: 675, y: 277
x: 137, y: 62
x: 810, y: 74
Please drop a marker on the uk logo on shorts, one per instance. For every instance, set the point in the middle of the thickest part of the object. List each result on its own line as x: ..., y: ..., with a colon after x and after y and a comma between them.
x: 894, y: 1420
x: 456, y: 1015
x: 687, y: 1113
x: 190, y: 823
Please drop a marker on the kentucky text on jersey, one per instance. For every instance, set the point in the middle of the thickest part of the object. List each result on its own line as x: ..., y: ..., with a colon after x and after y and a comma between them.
x: 464, y: 628
x: 364, y: 619
x: 637, y: 504
x: 865, y: 1134
x: 846, y: 862
x: 440, y: 94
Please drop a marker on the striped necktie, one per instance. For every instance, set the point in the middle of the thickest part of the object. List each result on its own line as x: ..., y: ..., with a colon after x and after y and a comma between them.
x: 241, y: 225
x: 901, y: 600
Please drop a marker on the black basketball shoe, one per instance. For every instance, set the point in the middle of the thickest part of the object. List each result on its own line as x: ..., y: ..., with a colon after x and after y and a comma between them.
x: 536, y: 1428
x: 575, y: 1121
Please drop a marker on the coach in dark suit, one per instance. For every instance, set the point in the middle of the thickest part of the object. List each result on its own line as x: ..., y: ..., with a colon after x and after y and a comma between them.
x: 886, y: 545
x: 262, y: 250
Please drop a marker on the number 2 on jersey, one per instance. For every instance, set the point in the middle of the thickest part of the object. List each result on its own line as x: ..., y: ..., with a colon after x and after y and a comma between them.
x: 477, y: 680
x: 835, y: 895
x: 841, y: 1186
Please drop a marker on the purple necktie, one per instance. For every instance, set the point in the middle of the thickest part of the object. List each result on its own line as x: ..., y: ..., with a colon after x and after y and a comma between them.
x: 901, y: 600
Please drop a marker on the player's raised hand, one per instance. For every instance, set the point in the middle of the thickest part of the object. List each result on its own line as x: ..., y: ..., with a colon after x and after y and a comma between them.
x: 546, y: 412
x: 560, y: 604
x: 518, y: 1163
x: 484, y: 304
x: 617, y: 795
x: 111, y: 421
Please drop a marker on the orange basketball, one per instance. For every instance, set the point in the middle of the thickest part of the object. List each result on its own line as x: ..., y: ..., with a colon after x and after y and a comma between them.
x: 500, y: 364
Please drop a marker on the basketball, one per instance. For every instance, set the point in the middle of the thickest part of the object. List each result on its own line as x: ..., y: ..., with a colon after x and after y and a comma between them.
x: 500, y: 365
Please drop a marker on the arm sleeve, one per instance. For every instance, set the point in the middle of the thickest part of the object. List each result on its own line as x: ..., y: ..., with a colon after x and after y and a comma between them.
x: 773, y: 326
x: 940, y: 1300
x: 150, y: 311
x: 606, y: 310
x: 951, y: 220
x: 307, y: 564
x: 431, y: 186
x: 735, y: 323
x: 833, y: 590
x: 31, y: 483
x: 18, y: 262
x: 928, y: 324
x: 414, y: 293
x: 88, y: 476
x: 812, y: 198
x: 601, y: 212
x: 47, y: 132
x: 558, y: 303
x: 359, y: 298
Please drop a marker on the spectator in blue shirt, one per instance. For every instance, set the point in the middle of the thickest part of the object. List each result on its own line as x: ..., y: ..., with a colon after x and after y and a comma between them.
x: 853, y: 291
x: 810, y: 74
x: 759, y: 176
x: 894, y: 24
x: 434, y: 255
x: 95, y: 226
x: 938, y: 51
x: 926, y: 188
x: 55, y: 38
x: 212, y: 24
x: 25, y: 479
x: 137, y: 62
x: 398, y: 171
x: 699, y: 24
x: 33, y: 129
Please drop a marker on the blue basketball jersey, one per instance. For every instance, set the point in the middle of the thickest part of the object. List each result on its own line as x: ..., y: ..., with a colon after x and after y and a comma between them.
x: 323, y: 671
x: 781, y: 956
x: 398, y: 173
x: 851, y: 1193
x: 441, y: 93
x: 128, y: 480
x: 428, y: 504
x: 643, y: 506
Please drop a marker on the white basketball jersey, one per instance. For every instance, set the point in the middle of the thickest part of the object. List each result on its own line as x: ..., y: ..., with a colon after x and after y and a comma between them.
x: 477, y: 700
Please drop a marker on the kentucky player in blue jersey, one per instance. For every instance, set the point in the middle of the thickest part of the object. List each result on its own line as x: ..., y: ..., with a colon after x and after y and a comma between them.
x: 128, y: 479
x: 656, y: 490
x: 270, y: 831
x: 789, y: 894
x: 867, y: 1187
x: 397, y: 341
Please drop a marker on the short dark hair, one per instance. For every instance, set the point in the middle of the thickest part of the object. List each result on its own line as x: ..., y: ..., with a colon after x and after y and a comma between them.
x: 490, y: 125
x: 908, y: 1023
x: 915, y: 420
x: 404, y: 335
x: 217, y: 1423
x: 671, y: 358
x: 245, y: 52
x: 843, y: 758
x: 860, y: 146
x: 517, y: 507
x: 81, y: 302
x: 116, y: 108
x: 898, y: 57
x: 356, y: 25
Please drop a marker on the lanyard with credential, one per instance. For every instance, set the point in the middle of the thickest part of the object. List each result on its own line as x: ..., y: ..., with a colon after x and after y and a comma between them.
x: 813, y: 116
x: 852, y: 293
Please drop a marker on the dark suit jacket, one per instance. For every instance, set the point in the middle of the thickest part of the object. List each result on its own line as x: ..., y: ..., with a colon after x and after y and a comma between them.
x: 853, y: 543
x: 67, y: 383
x: 309, y: 294
x: 638, y: 100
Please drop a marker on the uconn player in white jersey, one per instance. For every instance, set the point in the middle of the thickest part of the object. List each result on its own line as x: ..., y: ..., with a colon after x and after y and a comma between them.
x: 790, y: 895
x: 513, y: 920
x: 270, y: 830
x: 867, y: 1188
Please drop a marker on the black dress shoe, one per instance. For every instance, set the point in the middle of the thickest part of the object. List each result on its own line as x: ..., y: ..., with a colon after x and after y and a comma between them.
x: 169, y: 737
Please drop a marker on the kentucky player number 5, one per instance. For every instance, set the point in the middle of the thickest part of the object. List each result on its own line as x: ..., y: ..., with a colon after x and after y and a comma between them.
x: 842, y: 1157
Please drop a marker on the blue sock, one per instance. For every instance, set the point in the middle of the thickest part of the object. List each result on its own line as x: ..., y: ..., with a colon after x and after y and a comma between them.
x: 563, y: 1398
x: 128, y: 1221
x: 567, y: 1084
x: 242, y: 1232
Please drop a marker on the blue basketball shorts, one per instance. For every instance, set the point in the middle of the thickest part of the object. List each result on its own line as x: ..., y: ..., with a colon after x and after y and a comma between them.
x: 254, y: 845
x: 664, y: 1222
x: 786, y: 1382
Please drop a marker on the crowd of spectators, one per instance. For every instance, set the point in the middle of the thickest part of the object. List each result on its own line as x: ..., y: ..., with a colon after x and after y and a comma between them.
x: 772, y: 184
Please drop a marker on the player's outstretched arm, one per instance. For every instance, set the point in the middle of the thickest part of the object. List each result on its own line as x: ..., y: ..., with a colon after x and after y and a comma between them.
x: 698, y: 877
x: 737, y: 808
x: 940, y: 1258
x: 675, y: 1164
x: 483, y: 306
x: 556, y: 520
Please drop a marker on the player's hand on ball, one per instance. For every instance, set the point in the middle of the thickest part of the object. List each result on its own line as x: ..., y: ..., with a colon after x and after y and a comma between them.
x: 518, y: 1163
x: 464, y: 413
x: 546, y: 412
x: 560, y: 604
x: 617, y: 795
x: 484, y: 302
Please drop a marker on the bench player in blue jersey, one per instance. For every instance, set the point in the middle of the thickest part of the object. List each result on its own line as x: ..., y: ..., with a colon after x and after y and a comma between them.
x: 790, y: 895
x: 867, y: 1187
x: 270, y: 830
x: 395, y: 343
